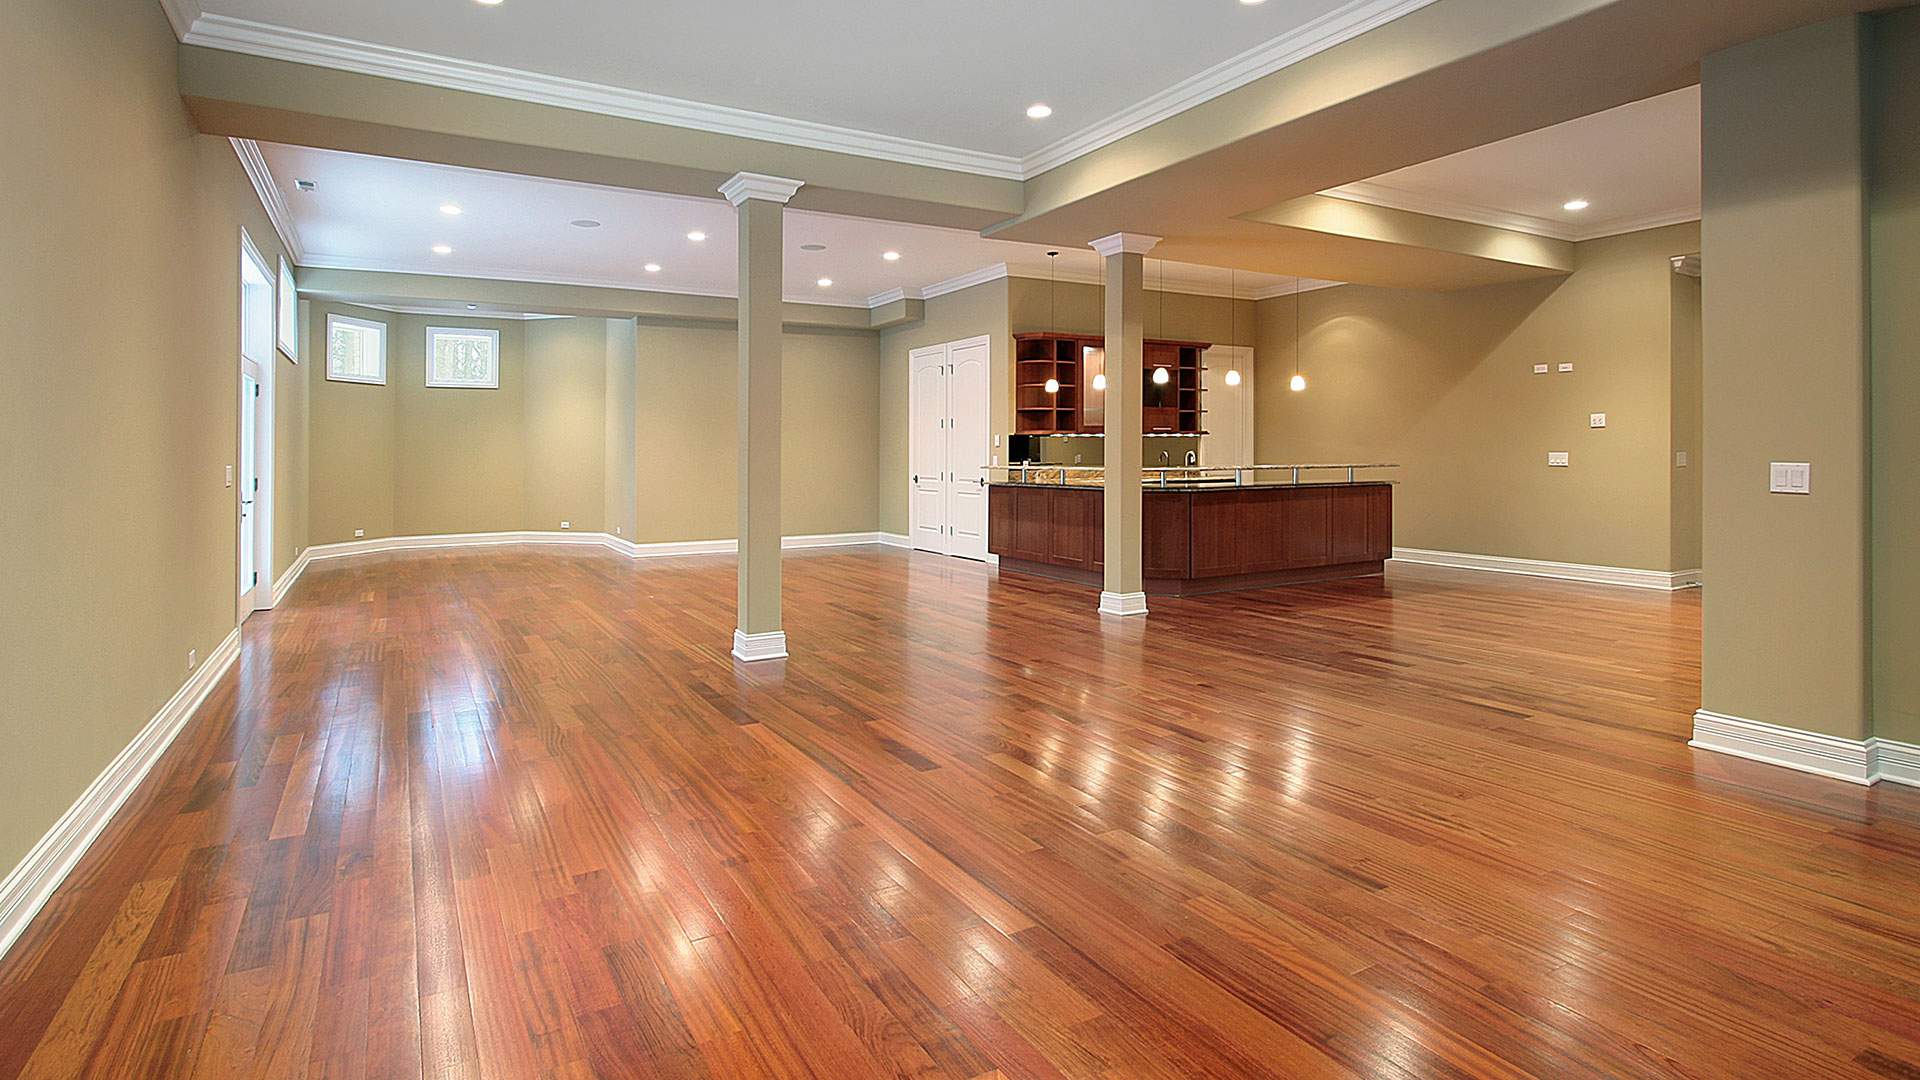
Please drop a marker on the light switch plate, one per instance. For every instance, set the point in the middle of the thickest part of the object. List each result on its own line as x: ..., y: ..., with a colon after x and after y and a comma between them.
x: 1540, y: 369
x: 1680, y: 459
x: 566, y: 525
x: 1566, y: 367
x: 1557, y: 459
x: 358, y: 533
x: 229, y: 476
x: 1598, y: 419
x: 1790, y: 478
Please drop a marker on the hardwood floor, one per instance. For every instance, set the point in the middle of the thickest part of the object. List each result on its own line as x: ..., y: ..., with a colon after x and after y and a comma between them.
x: 515, y: 813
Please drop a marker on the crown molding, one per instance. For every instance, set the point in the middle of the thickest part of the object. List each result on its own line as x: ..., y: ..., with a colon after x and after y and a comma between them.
x: 965, y: 281
x: 1687, y: 264
x: 261, y: 176
x: 181, y: 14
x: 1392, y: 198
x: 482, y: 273
x: 894, y: 296
x: 443, y: 313
x: 1304, y: 285
x: 225, y: 32
x: 408, y: 65
x: 1334, y: 28
x: 745, y: 185
x: 1124, y: 243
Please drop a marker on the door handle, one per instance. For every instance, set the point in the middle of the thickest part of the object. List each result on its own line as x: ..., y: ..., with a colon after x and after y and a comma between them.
x: 916, y: 478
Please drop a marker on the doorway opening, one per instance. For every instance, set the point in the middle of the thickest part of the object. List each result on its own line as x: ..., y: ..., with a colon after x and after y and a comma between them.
x: 254, y: 482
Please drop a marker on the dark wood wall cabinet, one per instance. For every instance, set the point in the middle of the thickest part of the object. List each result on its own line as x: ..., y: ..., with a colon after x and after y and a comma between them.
x: 1199, y: 541
x: 1076, y: 406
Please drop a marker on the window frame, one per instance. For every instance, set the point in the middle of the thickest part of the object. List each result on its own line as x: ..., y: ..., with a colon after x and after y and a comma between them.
x: 463, y: 331
x: 380, y: 328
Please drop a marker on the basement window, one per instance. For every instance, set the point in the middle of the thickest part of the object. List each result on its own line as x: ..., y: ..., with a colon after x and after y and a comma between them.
x: 460, y: 357
x: 356, y: 350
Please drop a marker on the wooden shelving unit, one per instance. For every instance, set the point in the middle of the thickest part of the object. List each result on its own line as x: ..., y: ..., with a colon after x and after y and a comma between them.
x: 1172, y: 408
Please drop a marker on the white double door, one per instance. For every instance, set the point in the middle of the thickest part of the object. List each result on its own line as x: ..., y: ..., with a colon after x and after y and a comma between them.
x: 948, y: 452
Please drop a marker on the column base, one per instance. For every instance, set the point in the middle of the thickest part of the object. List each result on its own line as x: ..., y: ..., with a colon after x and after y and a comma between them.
x: 1123, y: 603
x: 752, y: 647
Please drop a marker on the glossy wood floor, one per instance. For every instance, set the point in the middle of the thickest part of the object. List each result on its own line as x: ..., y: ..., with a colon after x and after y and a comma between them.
x: 515, y: 813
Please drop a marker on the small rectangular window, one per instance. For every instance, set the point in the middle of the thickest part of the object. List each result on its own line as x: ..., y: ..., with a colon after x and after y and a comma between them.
x: 356, y: 350
x: 460, y: 357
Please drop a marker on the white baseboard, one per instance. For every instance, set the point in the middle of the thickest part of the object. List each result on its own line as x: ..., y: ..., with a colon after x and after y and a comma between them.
x: 27, y: 888
x: 898, y: 540
x: 1593, y: 575
x: 1133, y: 603
x: 1856, y: 761
x: 756, y: 647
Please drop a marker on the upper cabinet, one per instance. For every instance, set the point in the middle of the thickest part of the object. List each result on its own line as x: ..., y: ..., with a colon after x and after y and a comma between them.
x: 1059, y: 385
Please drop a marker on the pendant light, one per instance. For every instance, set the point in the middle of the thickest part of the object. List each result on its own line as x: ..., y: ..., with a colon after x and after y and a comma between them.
x: 1052, y: 385
x: 1299, y: 381
x: 1233, y: 320
x: 1160, y: 375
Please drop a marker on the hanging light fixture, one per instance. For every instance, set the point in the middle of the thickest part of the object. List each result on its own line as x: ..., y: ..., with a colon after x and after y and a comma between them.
x: 1299, y: 381
x: 1233, y: 319
x: 1053, y: 386
x: 1160, y: 375
x: 1099, y: 380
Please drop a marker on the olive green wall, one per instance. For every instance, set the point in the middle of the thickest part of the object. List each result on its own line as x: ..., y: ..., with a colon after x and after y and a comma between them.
x: 292, y: 439
x: 353, y: 435
x: 620, y: 421
x: 119, y: 306
x: 687, y: 422
x: 1685, y: 420
x: 459, y: 461
x: 1784, y: 307
x: 566, y: 415
x: 973, y: 312
x: 1894, y: 221
x: 1443, y: 384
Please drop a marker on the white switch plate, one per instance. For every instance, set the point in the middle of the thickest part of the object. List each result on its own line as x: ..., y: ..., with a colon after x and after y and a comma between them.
x: 193, y: 659
x: 1557, y: 459
x: 1540, y: 369
x: 1680, y: 459
x: 1791, y: 478
x: 229, y: 476
x: 1598, y: 419
x: 566, y: 525
x: 1566, y: 367
x: 358, y: 533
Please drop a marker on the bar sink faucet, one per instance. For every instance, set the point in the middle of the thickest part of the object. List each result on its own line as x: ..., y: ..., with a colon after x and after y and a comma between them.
x: 1193, y: 458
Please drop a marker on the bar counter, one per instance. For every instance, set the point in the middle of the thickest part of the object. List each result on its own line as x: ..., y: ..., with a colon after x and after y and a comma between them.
x: 1198, y: 535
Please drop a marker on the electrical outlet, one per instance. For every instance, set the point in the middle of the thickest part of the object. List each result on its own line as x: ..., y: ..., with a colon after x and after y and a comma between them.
x: 616, y: 530
x: 229, y: 476
x: 1680, y: 459
x: 566, y: 525
x: 193, y: 659
x: 1598, y: 419
x: 1540, y: 369
x: 358, y: 533
x: 1557, y: 459
x: 1564, y: 368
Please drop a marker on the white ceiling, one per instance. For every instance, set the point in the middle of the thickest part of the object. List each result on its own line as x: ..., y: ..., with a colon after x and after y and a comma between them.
x: 945, y: 82
x: 1637, y: 165
x: 371, y: 213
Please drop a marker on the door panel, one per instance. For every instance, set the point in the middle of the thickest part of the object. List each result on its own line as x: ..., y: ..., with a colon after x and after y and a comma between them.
x: 927, y: 457
x: 967, y: 375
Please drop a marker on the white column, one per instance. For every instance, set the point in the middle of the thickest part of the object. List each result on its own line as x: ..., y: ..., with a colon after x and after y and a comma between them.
x: 761, y: 203
x: 1124, y: 592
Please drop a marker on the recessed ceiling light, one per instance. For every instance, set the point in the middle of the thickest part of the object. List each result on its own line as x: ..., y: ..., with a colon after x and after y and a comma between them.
x: 891, y: 256
x: 304, y: 185
x: 653, y: 268
x: 813, y: 247
x: 1577, y: 204
x: 473, y: 307
x: 488, y: 3
x: 1040, y: 112
x: 584, y: 223
x: 443, y: 249
x: 450, y: 210
x: 696, y: 236
x: 1250, y: 3
x: 825, y: 283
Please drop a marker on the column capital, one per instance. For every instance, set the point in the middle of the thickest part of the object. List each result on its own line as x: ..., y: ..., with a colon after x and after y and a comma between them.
x: 1129, y: 243
x: 748, y: 185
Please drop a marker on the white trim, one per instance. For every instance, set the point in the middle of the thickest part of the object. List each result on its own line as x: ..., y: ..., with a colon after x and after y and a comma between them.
x: 427, y: 69
x: 591, y: 539
x: 1124, y: 243
x: 894, y: 540
x: 967, y: 280
x: 742, y: 186
x: 1133, y: 603
x: 753, y: 648
x: 1304, y: 285
x: 31, y: 883
x: 1593, y: 575
x: 408, y: 65
x: 260, y: 175
x: 893, y: 295
x: 493, y: 356
x: 1857, y: 761
x: 1334, y: 28
x: 1372, y: 193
